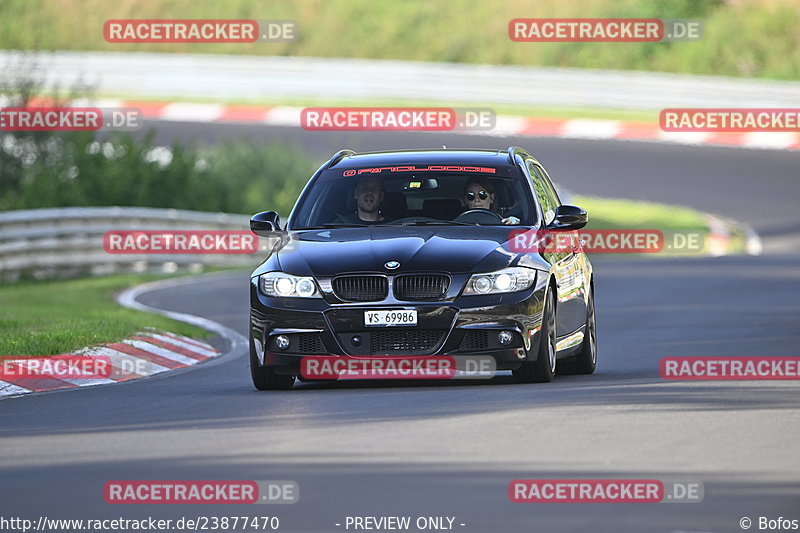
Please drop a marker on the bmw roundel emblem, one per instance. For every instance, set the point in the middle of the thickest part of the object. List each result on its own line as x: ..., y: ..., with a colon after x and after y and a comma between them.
x: 391, y: 265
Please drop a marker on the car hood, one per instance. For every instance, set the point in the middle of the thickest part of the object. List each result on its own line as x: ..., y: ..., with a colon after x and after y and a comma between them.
x: 454, y: 249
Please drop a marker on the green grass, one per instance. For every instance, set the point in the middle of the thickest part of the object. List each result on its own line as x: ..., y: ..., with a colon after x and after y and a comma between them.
x: 53, y: 317
x: 612, y: 213
x: 744, y: 38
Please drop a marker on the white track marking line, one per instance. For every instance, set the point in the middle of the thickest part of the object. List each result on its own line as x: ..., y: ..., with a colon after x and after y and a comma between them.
x: 505, y: 125
x: 684, y: 137
x: 591, y: 129
x: 283, y: 116
x: 163, y: 352
x: 191, y: 347
x: 87, y: 382
x: 186, y: 112
x: 190, y: 340
x: 769, y: 139
x: 129, y: 363
x: 8, y: 389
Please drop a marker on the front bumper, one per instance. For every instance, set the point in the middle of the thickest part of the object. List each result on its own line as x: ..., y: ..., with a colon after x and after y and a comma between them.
x: 460, y: 326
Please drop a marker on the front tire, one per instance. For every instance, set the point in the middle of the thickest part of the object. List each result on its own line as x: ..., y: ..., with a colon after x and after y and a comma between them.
x: 264, y: 378
x: 544, y: 368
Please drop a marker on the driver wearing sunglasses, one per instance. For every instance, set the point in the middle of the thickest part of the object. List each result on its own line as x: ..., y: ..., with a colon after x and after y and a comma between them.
x: 479, y: 194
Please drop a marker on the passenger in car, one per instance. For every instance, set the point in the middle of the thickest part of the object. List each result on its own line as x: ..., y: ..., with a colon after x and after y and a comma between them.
x: 369, y: 196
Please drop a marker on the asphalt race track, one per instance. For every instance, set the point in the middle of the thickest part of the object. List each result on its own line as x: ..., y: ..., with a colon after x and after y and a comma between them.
x: 451, y: 449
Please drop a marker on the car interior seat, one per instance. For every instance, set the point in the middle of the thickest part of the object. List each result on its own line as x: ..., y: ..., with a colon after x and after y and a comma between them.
x: 442, y: 208
x: 394, y: 205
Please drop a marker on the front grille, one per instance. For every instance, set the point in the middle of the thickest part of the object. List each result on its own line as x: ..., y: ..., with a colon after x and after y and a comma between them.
x: 361, y: 288
x: 475, y: 340
x: 393, y: 342
x: 421, y: 286
x: 310, y: 343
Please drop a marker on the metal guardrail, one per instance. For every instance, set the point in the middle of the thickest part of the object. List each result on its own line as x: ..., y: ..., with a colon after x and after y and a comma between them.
x: 66, y: 242
x: 227, y: 77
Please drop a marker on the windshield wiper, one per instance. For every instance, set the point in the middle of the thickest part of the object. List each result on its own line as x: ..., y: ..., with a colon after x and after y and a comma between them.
x: 344, y: 225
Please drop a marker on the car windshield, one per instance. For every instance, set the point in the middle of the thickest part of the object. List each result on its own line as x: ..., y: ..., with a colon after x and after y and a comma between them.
x: 364, y: 197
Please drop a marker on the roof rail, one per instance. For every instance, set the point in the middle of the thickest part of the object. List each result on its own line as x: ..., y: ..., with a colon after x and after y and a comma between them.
x: 338, y: 156
x: 514, y: 151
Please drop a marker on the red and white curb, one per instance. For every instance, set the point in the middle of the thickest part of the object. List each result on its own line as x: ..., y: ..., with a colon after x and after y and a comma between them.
x: 142, y: 355
x: 155, y: 351
x: 506, y: 125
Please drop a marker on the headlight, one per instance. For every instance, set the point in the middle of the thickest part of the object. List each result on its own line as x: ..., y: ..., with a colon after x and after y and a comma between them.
x: 510, y: 279
x: 287, y: 286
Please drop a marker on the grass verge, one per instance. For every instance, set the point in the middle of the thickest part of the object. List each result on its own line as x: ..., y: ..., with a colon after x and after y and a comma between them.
x: 745, y: 38
x: 60, y: 316
x: 614, y: 213
x: 729, y: 237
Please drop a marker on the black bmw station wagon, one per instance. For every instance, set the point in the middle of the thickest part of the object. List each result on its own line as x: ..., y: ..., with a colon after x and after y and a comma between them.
x: 407, y: 253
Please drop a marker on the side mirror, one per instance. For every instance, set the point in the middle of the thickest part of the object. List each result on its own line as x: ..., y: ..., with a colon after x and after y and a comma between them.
x: 569, y: 217
x: 266, y: 223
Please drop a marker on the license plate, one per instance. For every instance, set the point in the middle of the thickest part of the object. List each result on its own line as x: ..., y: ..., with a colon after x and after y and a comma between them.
x: 399, y: 317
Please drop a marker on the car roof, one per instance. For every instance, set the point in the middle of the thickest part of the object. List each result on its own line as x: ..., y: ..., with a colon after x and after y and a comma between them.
x: 428, y: 157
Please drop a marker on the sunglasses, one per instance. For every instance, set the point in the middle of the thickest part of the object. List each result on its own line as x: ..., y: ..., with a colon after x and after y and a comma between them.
x: 483, y: 195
